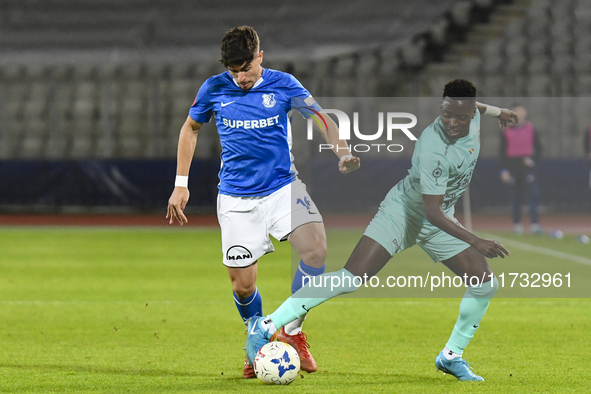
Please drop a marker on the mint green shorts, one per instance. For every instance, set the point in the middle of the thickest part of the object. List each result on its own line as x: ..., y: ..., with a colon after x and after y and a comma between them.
x: 398, y: 226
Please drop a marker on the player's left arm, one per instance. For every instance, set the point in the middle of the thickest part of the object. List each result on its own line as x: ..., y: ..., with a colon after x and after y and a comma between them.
x: 437, y: 217
x: 505, y: 116
x: 347, y: 162
x: 306, y: 105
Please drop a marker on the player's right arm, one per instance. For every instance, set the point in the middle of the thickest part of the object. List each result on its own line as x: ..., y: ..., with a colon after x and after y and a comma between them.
x: 434, y: 167
x: 437, y: 217
x: 186, y: 149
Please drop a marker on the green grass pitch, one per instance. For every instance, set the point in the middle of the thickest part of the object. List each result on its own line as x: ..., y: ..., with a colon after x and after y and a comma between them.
x: 144, y: 310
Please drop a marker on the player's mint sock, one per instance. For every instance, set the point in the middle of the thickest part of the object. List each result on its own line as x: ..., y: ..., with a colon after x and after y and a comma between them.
x: 250, y: 306
x: 319, y: 289
x: 302, y: 275
x: 472, y: 310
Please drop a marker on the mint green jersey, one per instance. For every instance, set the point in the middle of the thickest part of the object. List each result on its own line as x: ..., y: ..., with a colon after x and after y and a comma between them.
x: 441, y: 166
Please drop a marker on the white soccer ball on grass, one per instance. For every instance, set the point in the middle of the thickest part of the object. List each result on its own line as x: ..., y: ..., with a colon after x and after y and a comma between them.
x: 277, y: 363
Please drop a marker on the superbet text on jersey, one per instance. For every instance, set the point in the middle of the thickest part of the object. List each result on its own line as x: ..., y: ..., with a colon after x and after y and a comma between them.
x: 255, y: 129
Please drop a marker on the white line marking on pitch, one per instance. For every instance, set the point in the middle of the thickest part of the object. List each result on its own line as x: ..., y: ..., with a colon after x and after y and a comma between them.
x: 541, y: 250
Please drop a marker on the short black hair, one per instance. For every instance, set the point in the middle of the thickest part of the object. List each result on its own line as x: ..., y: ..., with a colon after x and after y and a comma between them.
x: 459, y: 88
x: 239, y: 45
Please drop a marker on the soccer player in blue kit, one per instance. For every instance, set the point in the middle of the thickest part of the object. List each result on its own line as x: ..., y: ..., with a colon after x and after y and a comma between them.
x: 420, y: 210
x: 259, y: 191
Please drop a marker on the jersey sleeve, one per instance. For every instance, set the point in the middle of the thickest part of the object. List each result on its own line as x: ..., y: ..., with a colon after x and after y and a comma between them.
x: 202, y: 108
x: 301, y: 99
x: 434, y: 173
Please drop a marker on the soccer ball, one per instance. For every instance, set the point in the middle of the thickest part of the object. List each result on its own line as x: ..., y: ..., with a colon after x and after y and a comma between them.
x: 277, y: 363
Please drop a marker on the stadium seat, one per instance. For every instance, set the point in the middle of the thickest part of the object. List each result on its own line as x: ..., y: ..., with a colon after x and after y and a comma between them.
x: 493, y: 86
x: 515, y: 28
x: 344, y: 77
x: 32, y: 144
x: 562, y: 65
x: 583, y: 88
x: 539, y: 86
x: 582, y: 63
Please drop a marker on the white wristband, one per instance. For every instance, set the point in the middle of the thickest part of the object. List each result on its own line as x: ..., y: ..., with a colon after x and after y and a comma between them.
x: 491, y: 110
x: 182, y: 181
x: 346, y: 157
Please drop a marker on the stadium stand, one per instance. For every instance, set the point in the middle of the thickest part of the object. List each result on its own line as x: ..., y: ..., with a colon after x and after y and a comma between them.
x: 105, y: 78
x: 110, y: 79
x: 531, y: 49
x: 107, y: 67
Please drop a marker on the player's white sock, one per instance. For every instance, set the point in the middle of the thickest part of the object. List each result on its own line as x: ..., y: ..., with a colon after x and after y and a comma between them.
x: 449, y: 354
x: 268, y: 325
x: 295, y: 327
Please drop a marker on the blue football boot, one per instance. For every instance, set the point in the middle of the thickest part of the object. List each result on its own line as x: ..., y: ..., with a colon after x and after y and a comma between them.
x: 457, y: 367
x: 257, y: 337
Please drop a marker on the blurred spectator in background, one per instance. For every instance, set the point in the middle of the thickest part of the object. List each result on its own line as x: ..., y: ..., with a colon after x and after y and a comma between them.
x: 519, y: 151
x: 587, y: 145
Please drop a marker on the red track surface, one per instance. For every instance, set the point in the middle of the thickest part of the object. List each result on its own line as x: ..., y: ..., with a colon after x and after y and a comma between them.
x: 568, y: 224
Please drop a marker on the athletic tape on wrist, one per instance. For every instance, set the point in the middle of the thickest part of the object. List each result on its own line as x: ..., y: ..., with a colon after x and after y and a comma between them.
x: 493, y: 111
x: 182, y: 181
x: 346, y: 157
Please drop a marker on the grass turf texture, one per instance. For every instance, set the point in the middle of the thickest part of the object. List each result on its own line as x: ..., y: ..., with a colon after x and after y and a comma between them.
x: 141, y: 310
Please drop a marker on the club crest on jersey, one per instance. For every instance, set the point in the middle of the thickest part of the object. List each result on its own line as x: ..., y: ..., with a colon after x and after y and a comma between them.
x: 269, y: 100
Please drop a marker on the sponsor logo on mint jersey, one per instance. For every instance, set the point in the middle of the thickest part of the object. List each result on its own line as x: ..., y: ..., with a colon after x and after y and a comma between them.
x: 460, y: 165
x: 251, y: 124
x: 304, y: 308
x: 269, y: 100
x: 238, y: 252
x: 437, y: 172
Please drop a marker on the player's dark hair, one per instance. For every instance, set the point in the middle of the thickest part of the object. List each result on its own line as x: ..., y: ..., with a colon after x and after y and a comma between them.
x: 459, y: 88
x: 239, y: 45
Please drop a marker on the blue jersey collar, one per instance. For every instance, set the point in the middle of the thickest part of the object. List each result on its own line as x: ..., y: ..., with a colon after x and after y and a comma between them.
x: 257, y: 83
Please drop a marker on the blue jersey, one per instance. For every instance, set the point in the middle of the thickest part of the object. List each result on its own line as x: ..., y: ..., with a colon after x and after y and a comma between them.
x: 254, y: 128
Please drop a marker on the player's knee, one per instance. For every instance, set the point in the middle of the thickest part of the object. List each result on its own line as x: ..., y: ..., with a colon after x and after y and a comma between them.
x: 243, y: 294
x: 315, y: 256
x: 243, y: 290
x: 486, y: 290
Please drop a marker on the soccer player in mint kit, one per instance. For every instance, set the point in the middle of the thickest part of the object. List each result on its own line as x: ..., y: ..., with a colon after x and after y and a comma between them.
x: 419, y: 210
x: 259, y: 188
